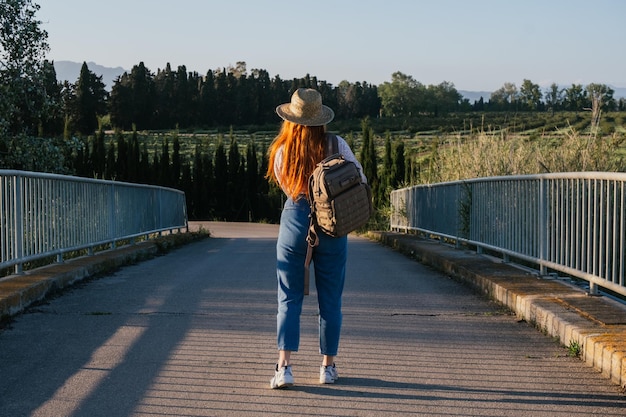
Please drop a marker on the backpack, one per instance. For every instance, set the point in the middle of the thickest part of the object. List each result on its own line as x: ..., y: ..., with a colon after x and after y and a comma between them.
x: 340, y: 201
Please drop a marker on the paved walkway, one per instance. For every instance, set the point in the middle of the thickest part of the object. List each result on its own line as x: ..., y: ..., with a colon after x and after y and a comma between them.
x: 192, y: 333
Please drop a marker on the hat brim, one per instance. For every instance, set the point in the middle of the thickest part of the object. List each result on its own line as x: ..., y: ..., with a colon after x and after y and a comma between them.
x: 323, y: 118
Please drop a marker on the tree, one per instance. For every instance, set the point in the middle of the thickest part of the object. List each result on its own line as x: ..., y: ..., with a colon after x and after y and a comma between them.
x: 253, y: 179
x: 554, y: 97
x: 142, y: 96
x: 88, y: 101
x: 575, y: 97
x: 265, y: 106
x: 530, y: 95
x: 120, y: 103
x: 121, y: 162
x: 176, y: 162
x: 369, y: 160
x: 505, y: 97
x: 224, y: 99
x: 442, y: 98
x: 98, y: 155
x: 182, y: 98
x: 164, y: 168
x: 398, y: 168
x: 109, y: 170
x: 207, y: 100
x: 23, y: 45
x: 235, y: 187
x: 133, y: 99
x: 165, y: 92
x: 220, y: 179
x: 52, y: 120
x: 400, y: 96
x: 134, y: 158
x: 601, y: 97
x: 387, y: 173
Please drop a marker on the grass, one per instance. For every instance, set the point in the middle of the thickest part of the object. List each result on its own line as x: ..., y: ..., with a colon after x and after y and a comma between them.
x: 574, y: 350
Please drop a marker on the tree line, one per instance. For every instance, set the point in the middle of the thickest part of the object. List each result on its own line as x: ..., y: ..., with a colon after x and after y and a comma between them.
x: 228, y: 183
x: 168, y: 99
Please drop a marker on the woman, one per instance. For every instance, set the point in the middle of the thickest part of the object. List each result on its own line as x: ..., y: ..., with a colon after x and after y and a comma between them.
x: 293, y: 155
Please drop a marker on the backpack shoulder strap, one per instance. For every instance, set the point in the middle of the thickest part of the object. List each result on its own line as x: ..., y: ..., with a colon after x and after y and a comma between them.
x: 332, y: 144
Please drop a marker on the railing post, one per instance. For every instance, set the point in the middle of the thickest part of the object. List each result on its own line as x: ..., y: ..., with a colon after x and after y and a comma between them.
x: 19, y: 223
x: 459, y: 218
x: 160, y: 211
x: 112, y: 219
x: 543, y: 227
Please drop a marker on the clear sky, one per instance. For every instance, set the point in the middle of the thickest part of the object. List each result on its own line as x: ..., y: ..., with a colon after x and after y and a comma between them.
x: 476, y: 44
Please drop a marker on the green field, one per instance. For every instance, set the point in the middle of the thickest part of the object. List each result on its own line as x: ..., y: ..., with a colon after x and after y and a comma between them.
x: 419, y: 135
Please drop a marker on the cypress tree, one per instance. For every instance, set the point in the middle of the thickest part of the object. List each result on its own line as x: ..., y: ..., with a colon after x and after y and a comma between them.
x: 398, y: 175
x: 156, y: 167
x: 176, y: 161
x: 120, y: 104
x: 236, y: 185
x: 221, y: 181
x: 145, y: 173
x: 142, y: 96
x: 52, y: 122
x: 88, y: 102
x: 207, y: 100
x: 165, y: 173
x: 197, y: 200
x: 234, y: 159
x: 109, y: 170
x: 121, y: 163
x: 133, y: 159
x: 164, y: 93
x: 98, y: 155
x: 252, y: 181
x: 182, y: 98
x: 385, y: 180
x: 209, y: 186
x: 368, y: 159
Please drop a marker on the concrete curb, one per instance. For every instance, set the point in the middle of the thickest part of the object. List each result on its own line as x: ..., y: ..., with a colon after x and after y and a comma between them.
x: 18, y: 292
x: 596, y: 324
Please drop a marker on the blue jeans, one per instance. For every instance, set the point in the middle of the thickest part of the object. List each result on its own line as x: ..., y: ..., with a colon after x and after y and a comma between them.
x: 329, y: 263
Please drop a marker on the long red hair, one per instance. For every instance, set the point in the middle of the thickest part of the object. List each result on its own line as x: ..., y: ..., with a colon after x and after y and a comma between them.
x: 303, y: 148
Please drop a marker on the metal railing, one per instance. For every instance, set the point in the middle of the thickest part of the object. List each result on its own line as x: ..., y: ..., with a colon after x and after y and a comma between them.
x: 43, y: 215
x: 573, y: 223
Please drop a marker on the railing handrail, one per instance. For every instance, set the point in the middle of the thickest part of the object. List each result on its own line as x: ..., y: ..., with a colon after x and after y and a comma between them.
x: 599, y: 175
x: 573, y: 222
x: 32, y: 174
x: 43, y: 215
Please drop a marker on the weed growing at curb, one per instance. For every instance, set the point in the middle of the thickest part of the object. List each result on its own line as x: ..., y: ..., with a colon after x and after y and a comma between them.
x: 574, y: 349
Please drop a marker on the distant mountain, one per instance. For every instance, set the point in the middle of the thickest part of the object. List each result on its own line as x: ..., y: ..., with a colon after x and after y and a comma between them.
x: 70, y: 71
x: 473, y: 96
x: 619, y: 92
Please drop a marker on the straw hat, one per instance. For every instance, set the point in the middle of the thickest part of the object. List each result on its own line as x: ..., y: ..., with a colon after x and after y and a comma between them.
x: 306, y: 109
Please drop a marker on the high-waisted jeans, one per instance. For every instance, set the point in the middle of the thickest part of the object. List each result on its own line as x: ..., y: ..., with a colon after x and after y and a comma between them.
x: 329, y: 263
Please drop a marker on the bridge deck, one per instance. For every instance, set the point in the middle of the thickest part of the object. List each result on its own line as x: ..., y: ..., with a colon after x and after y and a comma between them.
x: 193, y: 333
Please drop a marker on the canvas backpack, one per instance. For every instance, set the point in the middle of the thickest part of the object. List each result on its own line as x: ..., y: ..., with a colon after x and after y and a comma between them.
x: 340, y: 201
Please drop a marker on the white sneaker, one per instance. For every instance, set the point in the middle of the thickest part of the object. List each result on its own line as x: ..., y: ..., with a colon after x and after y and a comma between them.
x: 328, y: 374
x: 283, y: 377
